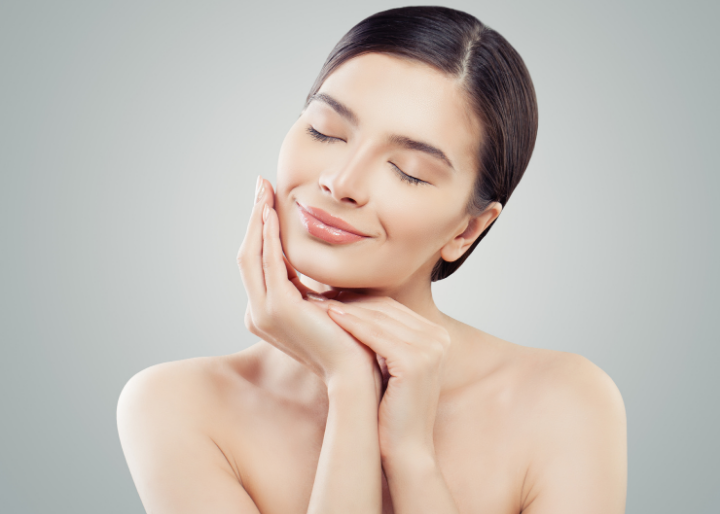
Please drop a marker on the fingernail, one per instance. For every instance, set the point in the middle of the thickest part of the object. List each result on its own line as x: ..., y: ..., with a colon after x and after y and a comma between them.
x: 265, y: 212
x: 316, y: 297
x: 257, y: 184
x: 260, y: 193
x: 336, y: 309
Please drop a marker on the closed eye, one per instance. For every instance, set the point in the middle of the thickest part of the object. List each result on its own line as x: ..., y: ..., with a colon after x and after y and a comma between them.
x: 405, y: 177
x: 319, y: 136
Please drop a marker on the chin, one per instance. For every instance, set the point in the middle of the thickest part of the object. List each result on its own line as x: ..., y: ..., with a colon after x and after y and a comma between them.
x: 331, y: 266
x: 342, y: 266
x: 338, y: 276
x: 338, y: 266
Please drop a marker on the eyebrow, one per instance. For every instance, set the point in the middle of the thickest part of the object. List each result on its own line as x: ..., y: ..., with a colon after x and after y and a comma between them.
x: 397, y: 140
x: 337, y: 107
x: 411, y: 144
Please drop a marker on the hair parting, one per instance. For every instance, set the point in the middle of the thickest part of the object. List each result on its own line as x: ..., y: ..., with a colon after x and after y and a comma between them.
x: 493, y: 75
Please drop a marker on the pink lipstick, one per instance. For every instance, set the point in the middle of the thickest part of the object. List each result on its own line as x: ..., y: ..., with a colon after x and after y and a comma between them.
x: 327, y: 227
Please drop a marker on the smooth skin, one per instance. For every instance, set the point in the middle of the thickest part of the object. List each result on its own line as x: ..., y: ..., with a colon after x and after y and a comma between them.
x: 363, y: 397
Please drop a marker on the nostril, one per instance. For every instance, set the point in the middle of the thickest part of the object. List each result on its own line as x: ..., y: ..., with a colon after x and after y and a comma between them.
x: 349, y: 200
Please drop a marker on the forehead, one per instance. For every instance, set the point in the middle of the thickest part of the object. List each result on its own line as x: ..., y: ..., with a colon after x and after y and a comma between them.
x: 392, y: 95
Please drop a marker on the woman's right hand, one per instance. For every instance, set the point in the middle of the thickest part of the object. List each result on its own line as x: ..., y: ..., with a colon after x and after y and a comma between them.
x: 278, y: 310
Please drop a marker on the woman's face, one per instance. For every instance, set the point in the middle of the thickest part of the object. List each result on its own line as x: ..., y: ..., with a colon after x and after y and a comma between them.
x: 387, y: 151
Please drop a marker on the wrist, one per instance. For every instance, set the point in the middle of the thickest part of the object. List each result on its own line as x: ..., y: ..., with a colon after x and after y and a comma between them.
x: 352, y: 383
x: 416, y: 483
x: 409, y: 459
x: 407, y: 472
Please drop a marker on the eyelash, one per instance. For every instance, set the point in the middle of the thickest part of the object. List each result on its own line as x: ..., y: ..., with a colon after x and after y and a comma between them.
x: 405, y: 177
x: 319, y: 136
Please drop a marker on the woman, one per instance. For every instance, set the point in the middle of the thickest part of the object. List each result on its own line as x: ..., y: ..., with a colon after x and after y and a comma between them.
x: 362, y: 396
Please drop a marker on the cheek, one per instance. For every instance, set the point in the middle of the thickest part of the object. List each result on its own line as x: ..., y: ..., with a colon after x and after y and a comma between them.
x: 298, y: 169
x: 295, y: 161
x: 420, y: 224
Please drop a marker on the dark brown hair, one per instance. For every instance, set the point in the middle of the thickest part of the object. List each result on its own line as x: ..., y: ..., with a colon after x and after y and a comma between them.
x: 495, y: 78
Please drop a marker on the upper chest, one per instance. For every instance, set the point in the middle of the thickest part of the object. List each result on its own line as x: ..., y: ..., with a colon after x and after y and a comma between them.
x: 276, y: 446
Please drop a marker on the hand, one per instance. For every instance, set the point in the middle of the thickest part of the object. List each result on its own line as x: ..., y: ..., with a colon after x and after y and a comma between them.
x: 411, y: 351
x: 277, y: 310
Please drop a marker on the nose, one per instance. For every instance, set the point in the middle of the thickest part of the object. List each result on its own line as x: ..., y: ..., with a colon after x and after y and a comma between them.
x: 348, y: 183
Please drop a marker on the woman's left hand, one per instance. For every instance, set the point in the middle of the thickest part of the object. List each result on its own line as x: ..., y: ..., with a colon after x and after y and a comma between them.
x: 411, y: 351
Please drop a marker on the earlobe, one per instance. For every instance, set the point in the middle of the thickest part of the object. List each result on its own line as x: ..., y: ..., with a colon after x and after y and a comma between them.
x: 476, y: 225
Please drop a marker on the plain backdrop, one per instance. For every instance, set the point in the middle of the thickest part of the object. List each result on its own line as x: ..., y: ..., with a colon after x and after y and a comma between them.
x: 131, y: 135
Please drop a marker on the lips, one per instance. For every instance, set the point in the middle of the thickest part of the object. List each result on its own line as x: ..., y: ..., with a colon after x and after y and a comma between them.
x: 327, y: 227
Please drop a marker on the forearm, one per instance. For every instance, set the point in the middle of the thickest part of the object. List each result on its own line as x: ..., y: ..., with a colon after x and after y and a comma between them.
x: 417, y: 485
x: 348, y: 477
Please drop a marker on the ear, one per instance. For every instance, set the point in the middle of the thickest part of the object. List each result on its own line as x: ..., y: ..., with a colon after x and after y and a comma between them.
x: 474, y: 226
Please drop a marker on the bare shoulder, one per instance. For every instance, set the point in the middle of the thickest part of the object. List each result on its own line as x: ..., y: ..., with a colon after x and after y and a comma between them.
x: 568, y: 381
x: 572, y: 417
x: 188, y: 386
x: 169, y: 418
x: 197, y: 394
x: 548, y: 380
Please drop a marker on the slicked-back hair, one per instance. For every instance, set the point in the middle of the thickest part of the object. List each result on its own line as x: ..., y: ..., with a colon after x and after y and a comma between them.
x: 495, y: 79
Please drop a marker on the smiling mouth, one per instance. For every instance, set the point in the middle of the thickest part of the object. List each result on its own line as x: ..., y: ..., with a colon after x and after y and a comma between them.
x: 327, y: 227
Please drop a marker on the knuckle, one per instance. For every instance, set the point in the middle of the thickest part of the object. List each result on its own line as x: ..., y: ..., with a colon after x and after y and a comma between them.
x: 261, y: 322
x: 250, y: 317
x: 438, y: 350
x: 242, y: 259
x: 253, y: 327
x: 378, y: 315
x: 249, y: 323
x: 376, y: 333
x: 272, y: 311
x: 429, y: 357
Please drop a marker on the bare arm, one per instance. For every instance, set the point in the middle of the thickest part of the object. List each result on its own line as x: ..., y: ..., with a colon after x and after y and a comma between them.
x: 414, y: 350
x: 580, y: 463
x: 163, y: 411
x: 348, y: 477
x: 580, y: 458
x: 578, y: 426
x: 165, y: 425
x: 164, y: 429
x: 417, y: 485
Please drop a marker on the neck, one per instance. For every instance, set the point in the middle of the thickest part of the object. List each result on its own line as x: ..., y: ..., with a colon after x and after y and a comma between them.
x: 417, y: 295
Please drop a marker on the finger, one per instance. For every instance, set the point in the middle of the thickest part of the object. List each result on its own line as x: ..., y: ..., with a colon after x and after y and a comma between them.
x: 270, y: 192
x: 250, y: 254
x: 406, y: 310
x: 388, y: 306
x: 375, y: 336
x: 276, y: 274
x: 317, y: 299
x: 390, y: 320
x: 291, y: 273
x: 293, y: 277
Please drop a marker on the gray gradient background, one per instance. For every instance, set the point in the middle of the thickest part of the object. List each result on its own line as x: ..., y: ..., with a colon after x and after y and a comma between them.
x: 131, y: 134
